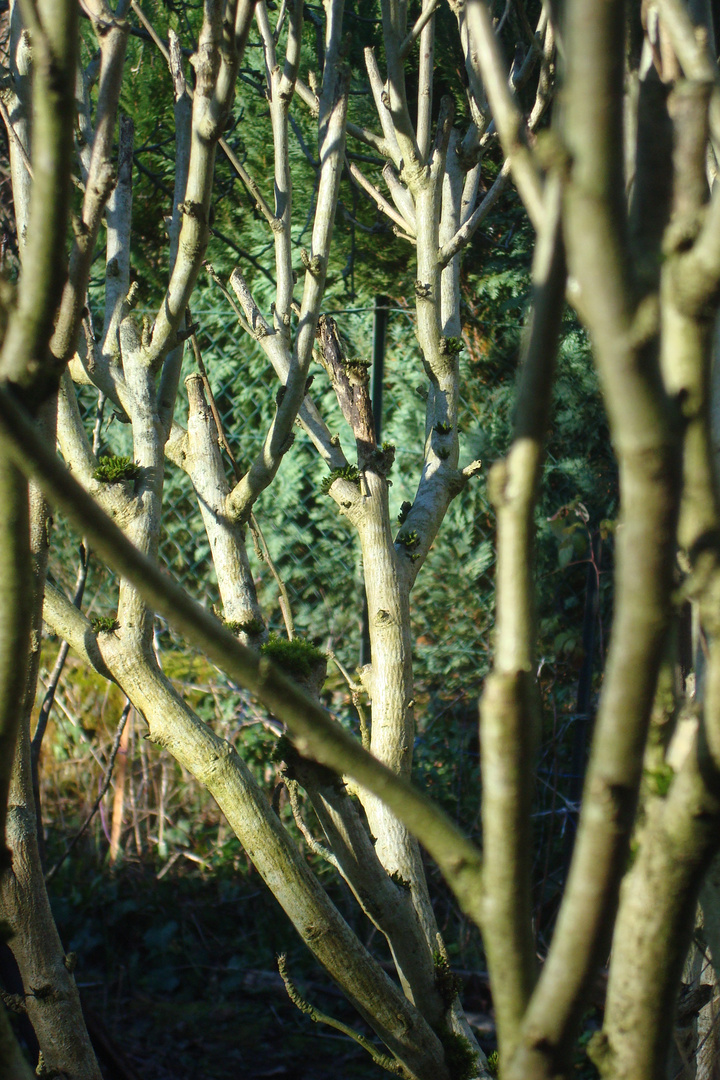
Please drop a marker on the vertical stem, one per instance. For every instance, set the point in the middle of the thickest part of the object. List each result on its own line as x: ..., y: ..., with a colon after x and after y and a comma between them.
x: 118, y: 809
x: 24, y: 358
x: 15, y: 587
x: 645, y: 439
x: 509, y: 714
x: 425, y: 84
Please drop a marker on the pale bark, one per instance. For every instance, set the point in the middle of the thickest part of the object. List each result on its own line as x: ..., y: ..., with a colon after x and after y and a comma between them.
x: 204, y: 465
x: 222, y: 42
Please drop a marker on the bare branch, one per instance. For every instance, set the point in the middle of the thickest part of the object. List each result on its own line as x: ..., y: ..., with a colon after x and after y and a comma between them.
x: 382, y: 105
x: 249, y: 183
x: 15, y: 621
x: 379, y: 199
x: 112, y: 36
x: 203, y: 463
x: 215, y: 763
x: 211, y: 106
x: 210, y: 270
x: 465, y: 233
x: 400, y: 195
x: 510, y: 709
x: 647, y: 447
x: 118, y: 216
x: 24, y: 358
x: 486, y: 66
x: 331, y: 124
x: 425, y: 79
x: 429, y: 9
x: 280, y: 359
x: 15, y: 137
x: 281, y: 85
x: 394, y: 14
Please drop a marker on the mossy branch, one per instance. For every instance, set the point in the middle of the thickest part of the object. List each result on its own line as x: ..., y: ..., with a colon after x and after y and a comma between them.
x: 298, y: 656
x: 113, y: 470
x: 349, y: 472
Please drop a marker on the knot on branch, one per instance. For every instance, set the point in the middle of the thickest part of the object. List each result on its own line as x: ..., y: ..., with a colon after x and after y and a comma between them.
x: 357, y: 371
x: 552, y: 153
x: 45, y: 1071
x: 133, y: 295
x: 104, y: 182
x: 423, y: 291
x: 404, y: 511
x: 194, y: 210
x: 80, y: 227
x: 681, y: 234
x: 646, y: 321
x: 184, y: 335
x: 313, y: 264
x: 382, y: 458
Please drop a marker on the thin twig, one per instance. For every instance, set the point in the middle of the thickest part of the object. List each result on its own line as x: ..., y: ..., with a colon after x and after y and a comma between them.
x: 414, y: 34
x: 15, y: 138
x: 385, y: 1062
x: 222, y: 439
x: 151, y: 30
x: 387, y: 208
x: 105, y: 785
x: 280, y: 20
x: 210, y: 270
x: 250, y: 184
x: 356, y: 690
x: 292, y: 787
x: 284, y: 598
